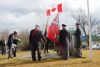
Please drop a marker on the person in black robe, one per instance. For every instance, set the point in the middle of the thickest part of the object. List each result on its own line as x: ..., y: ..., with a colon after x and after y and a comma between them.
x: 63, y: 37
x: 78, y: 41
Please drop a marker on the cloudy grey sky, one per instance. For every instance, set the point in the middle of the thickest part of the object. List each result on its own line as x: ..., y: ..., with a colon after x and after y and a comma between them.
x: 25, y: 14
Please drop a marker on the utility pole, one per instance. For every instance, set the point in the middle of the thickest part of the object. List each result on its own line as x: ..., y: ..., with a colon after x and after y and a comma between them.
x: 89, y: 32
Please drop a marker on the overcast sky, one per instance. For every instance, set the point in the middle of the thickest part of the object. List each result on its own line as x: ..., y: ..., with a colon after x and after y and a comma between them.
x: 25, y: 14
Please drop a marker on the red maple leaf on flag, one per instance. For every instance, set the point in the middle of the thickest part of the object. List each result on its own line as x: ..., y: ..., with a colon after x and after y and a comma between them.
x: 53, y: 9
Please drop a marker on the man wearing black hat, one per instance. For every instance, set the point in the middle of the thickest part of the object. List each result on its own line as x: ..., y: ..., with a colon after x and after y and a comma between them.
x: 78, y: 41
x: 63, y: 36
x: 35, y: 39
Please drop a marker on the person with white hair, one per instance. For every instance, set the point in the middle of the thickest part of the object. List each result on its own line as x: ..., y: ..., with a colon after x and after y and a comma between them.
x: 35, y: 40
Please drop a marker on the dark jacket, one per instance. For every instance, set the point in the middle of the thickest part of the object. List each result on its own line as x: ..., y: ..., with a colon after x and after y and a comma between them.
x: 62, y: 36
x: 77, y: 33
x: 77, y: 37
x: 10, y: 40
x: 35, y: 36
x: 2, y: 43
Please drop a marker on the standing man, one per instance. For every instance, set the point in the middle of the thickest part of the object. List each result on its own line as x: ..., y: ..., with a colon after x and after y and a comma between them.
x: 10, y: 43
x: 63, y: 37
x: 35, y: 39
x: 78, y: 41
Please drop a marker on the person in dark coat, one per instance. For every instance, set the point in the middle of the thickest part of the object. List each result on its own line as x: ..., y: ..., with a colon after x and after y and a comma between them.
x: 10, y: 42
x: 3, y: 46
x: 63, y: 37
x: 78, y: 41
x: 35, y: 39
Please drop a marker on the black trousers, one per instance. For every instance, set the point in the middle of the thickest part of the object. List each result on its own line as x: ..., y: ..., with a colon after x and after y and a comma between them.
x: 78, y: 52
x: 64, y: 50
x: 34, y: 49
x: 3, y: 50
x: 12, y: 51
x: 9, y: 52
x: 46, y: 47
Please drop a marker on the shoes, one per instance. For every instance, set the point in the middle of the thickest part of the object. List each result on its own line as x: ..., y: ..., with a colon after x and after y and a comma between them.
x: 65, y: 59
x: 33, y: 60
x: 39, y: 58
x: 9, y: 57
x: 78, y: 56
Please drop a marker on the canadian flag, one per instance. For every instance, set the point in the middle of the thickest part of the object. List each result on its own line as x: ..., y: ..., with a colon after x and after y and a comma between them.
x: 54, y: 10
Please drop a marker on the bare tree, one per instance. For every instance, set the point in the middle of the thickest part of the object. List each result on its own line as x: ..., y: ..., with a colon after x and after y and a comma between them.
x: 24, y: 36
x: 93, y: 22
x: 4, y: 34
x: 81, y: 17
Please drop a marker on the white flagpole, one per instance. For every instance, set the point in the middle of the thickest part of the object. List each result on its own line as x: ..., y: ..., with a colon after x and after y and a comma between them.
x: 65, y: 12
x: 89, y: 29
x: 66, y: 23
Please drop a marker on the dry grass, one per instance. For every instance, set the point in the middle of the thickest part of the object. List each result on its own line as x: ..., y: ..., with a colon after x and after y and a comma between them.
x: 72, y: 62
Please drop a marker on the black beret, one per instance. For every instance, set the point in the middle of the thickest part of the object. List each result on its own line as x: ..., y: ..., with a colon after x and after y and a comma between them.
x: 37, y: 25
x: 64, y: 25
x: 77, y: 24
x: 15, y: 32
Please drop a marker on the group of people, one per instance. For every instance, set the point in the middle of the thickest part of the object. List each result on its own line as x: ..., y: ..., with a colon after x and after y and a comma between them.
x: 10, y: 46
x: 36, y: 38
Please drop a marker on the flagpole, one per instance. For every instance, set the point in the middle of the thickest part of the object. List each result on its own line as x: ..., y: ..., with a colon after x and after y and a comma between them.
x: 45, y: 33
x: 65, y: 12
x: 58, y: 19
x: 89, y: 29
x: 66, y: 23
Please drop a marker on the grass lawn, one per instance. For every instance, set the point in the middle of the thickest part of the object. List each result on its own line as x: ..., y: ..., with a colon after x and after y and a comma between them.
x: 19, y: 61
